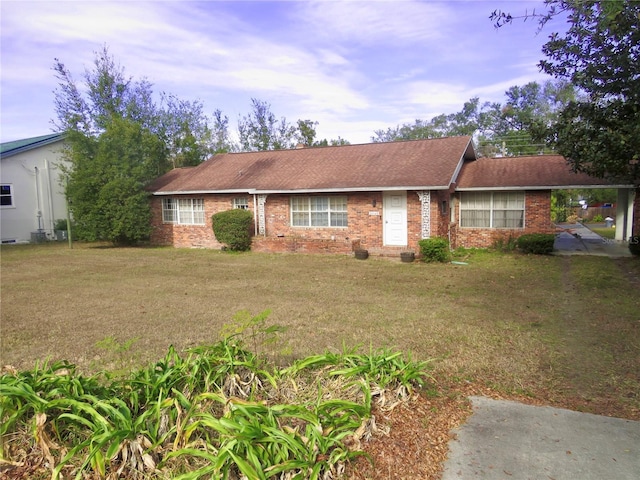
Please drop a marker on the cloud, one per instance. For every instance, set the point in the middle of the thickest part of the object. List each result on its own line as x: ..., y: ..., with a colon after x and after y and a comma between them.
x: 349, y: 64
x: 374, y: 22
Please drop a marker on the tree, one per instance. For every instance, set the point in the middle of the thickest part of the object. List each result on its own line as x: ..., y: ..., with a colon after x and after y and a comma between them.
x: 600, y: 134
x: 185, y: 131
x: 106, y: 182
x: 517, y: 125
x: 307, y: 132
x: 221, y: 141
x: 118, y: 141
x: 472, y: 119
x: 260, y: 130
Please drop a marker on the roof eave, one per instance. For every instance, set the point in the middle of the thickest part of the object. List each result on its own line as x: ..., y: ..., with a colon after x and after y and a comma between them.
x: 32, y: 146
x: 537, y: 187
x: 468, y: 154
x: 258, y: 191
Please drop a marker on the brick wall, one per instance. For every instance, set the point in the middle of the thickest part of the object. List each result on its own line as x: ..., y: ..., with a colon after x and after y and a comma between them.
x: 190, y: 236
x: 365, y: 226
x: 537, y: 219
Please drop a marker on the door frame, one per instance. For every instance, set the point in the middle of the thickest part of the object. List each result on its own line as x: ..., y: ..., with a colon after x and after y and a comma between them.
x: 390, y: 210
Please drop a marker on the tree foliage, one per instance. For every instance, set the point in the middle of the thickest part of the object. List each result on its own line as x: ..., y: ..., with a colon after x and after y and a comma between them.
x: 106, y: 182
x: 185, y: 130
x: 599, y: 53
x: 472, y: 118
x: 261, y: 130
x: 509, y: 128
x: 119, y: 140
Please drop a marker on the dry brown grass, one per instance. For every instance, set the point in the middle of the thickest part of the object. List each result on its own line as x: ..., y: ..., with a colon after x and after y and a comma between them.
x: 565, y: 331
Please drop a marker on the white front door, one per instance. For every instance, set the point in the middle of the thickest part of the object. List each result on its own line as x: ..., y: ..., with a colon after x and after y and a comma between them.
x: 394, y: 211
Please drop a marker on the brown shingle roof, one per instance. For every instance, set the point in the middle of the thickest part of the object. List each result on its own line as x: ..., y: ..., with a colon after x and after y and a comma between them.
x: 413, y: 164
x: 535, y: 172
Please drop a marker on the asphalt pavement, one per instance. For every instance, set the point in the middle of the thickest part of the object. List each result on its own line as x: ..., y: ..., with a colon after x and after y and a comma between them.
x: 505, y: 440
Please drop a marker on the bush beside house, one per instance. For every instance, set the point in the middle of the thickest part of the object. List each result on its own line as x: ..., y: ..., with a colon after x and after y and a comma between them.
x: 536, y: 243
x: 233, y: 228
x: 434, y: 249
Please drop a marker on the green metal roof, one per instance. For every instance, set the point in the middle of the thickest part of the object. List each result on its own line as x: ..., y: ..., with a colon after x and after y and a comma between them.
x: 17, y: 146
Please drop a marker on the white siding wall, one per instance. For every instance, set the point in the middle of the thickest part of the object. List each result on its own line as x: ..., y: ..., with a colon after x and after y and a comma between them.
x: 38, y: 197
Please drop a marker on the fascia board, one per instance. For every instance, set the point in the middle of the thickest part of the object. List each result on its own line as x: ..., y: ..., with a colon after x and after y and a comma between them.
x: 31, y: 146
x: 357, y: 189
x: 199, y: 192
x: 456, y: 172
x: 538, y: 187
x: 254, y: 191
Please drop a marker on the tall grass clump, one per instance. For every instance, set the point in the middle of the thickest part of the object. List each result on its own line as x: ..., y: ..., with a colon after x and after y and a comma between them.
x: 218, y: 411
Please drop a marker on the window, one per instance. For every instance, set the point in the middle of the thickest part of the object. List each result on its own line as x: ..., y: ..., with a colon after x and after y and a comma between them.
x: 183, y: 211
x: 319, y: 211
x: 169, y: 213
x: 6, y: 196
x: 492, y: 209
x: 241, y: 203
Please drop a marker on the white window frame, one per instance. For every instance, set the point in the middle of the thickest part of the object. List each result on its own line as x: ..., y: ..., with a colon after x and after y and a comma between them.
x: 493, y: 209
x: 8, y: 195
x: 319, y: 211
x: 241, y: 203
x: 183, y: 211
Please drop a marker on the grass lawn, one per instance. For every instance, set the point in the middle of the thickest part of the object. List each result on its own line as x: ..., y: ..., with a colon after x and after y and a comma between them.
x: 604, y: 232
x: 561, y: 330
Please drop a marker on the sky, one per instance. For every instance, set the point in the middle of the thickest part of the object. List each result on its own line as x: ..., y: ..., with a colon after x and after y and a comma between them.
x: 352, y: 66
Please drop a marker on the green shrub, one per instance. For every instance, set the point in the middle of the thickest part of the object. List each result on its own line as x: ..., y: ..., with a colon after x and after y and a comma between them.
x: 597, y: 219
x: 634, y: 245
x: 233, y: 228
x: 537, y: 243
x: 434, y: 249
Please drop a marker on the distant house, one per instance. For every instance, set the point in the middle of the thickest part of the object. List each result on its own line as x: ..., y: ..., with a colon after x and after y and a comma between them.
x: 383, y: 197
x: 31, y: 198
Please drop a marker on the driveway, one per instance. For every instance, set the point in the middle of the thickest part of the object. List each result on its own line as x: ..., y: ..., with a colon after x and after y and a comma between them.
x: 576, y: 239
x: 505, y: 440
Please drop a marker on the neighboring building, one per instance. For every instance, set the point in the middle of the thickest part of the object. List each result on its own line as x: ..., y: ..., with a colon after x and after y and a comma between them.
x: 383, y: 197
x: 31, y: 197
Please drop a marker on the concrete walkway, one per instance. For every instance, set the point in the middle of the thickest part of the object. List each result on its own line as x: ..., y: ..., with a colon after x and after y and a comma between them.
x: 576, y: 239
x: 504, y: 440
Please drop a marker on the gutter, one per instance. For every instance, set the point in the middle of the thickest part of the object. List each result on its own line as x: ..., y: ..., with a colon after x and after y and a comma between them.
x: 536, y: 187
x: 255, y: 191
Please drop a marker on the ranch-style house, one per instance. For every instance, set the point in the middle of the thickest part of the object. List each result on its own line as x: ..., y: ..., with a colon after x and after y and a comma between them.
x: 382, y: 197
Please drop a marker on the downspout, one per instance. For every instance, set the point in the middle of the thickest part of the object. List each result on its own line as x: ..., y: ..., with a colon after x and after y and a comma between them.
x: 51, y: 219
x: 38, y: 210
x: 255, y: 215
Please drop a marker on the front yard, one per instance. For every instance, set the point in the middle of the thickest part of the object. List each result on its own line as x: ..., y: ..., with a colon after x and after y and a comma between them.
x: 562, y: 331
x: 565, y: 330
